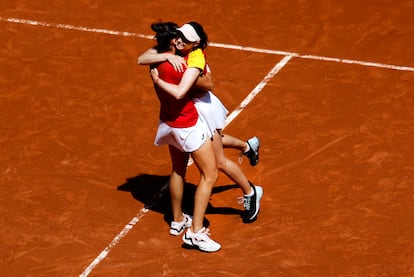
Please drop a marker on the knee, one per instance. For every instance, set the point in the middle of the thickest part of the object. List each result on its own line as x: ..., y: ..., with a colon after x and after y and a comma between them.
x: 212, y: 177
x: 222, y: 164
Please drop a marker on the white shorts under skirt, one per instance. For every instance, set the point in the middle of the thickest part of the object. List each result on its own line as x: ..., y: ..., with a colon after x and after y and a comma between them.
x: 184, y: 139
x: 213, y: 112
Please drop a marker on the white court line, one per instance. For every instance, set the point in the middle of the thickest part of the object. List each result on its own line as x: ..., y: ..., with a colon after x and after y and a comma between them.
x: 257, y: 89
x: 72, y: 27
x: 213, y: 44
x: 114, y: 242
x: 311, y: 57
x: 125, y: 231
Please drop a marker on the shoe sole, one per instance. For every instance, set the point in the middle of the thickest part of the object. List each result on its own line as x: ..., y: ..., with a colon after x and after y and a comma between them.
x: 254, y: 163
x: 175, y: 232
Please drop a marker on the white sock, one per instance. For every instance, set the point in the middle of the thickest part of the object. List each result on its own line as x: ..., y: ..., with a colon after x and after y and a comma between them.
x: 250, y: 194
x: 248, y: 148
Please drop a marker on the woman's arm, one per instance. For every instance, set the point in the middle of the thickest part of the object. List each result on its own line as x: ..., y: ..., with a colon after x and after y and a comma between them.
x: 178, y: 91
x: 151, y: 56
x: 205, y: 82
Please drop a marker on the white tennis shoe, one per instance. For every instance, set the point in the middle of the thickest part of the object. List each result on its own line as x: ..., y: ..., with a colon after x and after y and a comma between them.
x: 176, y: 228
x: 201, y: 240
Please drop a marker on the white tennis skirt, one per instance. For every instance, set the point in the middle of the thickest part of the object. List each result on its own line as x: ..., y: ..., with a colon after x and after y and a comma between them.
x: 184, y: 139
x: 213, y: 112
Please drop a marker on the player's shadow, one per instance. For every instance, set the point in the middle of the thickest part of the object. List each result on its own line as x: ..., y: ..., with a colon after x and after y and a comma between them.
x: 153, y: 192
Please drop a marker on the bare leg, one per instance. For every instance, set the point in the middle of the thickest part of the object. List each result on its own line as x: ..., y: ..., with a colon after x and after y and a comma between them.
x: 205, y: 160
x: 233, y: 142
x: 228, y: 167
x: 179, y: 167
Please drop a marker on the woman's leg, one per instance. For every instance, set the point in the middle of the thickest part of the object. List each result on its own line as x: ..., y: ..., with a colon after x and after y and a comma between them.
x: 179, y: 167
x: 252, y: 193
x: 250, y: 148
x: 204, y: 158
x: 228, y: 167
x: 229, y: 141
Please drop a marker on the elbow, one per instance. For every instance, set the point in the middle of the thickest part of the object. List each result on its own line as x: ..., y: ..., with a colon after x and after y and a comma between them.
x: 141, y: 61
x: 180, y: 95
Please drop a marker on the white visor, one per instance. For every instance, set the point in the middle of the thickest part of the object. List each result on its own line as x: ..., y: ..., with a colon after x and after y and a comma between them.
x: 189, y: 33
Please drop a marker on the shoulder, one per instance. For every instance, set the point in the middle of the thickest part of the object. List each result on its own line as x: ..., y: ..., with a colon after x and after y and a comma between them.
x: 196, y: 59
x: 198, y: 53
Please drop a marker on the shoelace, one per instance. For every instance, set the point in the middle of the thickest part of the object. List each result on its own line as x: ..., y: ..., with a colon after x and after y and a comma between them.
x: 240, y: 157
x: 244, y: 201
x: 203, y: 234
x: 206, y: 231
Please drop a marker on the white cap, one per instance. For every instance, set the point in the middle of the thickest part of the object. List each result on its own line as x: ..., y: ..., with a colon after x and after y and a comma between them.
x: 189, y: 33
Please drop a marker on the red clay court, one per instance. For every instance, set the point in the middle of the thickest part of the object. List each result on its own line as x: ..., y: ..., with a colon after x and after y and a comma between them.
x: 326, y: 85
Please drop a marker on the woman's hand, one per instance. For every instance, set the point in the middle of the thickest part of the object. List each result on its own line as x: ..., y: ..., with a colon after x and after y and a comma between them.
x: 154, y: 75
x: 177, y: 62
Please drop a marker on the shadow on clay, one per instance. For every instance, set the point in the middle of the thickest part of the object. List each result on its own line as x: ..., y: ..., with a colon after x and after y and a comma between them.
x: 153, y: 192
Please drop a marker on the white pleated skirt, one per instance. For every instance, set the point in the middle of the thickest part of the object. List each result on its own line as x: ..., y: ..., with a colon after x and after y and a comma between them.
x: 184, y: 139
x: 213, y: 112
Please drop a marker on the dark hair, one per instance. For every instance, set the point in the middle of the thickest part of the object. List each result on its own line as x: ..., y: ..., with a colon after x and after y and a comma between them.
x: 164, y: 33
x: 200, y: 31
